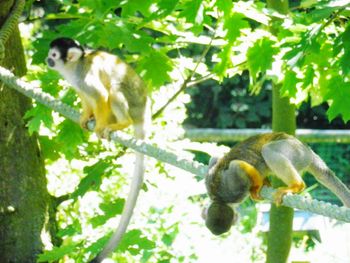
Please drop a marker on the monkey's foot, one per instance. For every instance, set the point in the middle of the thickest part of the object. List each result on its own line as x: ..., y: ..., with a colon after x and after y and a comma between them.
x: 282, y: 191
x: 103, y: 133
x: 278, y: 196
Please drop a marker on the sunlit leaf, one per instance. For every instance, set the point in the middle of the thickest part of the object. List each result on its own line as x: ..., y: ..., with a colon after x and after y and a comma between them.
x: 129, y: 8
x: 170, y: 235
x: 49, y: 148
x: 260, y: 56
x: 233, y: 25
x: 339, y: 94
x: 110, y: 210
x: 69, y: 137
x: 155, y: 68
x: 309, y: 77
x: 193, y: 11
x: 57, y: 253
x: 344, y: 62
x: 225, y: 6
x: 133, y: 241
x: 98, y: 245
x: 70, y: 230
x: 164, y: 8
x: 101, y: 6
x: 290, y: 81
x: 93, y: 178
x: 37, y: 116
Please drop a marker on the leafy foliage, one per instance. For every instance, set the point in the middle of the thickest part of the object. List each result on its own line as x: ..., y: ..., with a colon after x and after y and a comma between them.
x: 249, y: 46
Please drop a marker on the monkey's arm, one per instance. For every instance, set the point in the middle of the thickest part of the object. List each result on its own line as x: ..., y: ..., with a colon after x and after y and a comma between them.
x: 87, y: 112
x: 257, y: 180
x: 97, y: 95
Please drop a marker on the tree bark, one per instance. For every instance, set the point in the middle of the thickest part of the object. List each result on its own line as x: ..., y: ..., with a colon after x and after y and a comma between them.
x: 23, y: 193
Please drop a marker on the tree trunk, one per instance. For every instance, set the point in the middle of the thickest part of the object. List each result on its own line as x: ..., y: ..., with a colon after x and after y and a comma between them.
x: 283, y: 119
x: 23, y: 193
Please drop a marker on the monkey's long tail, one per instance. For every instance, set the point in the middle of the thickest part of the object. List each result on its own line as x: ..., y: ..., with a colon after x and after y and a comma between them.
x: 327, y: 177
x: 130, y: 204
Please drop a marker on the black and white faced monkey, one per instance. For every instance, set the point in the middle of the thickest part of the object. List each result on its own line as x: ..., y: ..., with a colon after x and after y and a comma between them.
x: 114, y: 96
x: 243, y: 171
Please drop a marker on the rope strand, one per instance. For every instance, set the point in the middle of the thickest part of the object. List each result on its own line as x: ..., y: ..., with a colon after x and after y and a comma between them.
x: 294, y: 201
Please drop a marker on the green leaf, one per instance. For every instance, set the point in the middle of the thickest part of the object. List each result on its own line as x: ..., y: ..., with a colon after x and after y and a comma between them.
x: 346, y: 38
x: 170, y: 235
x: 136, y: 40
x: 133, y: 242
x: 289, y: 85
x: 130, y: 8
x: 156, y: 68
x: 225, y: 61
x: 318, y: 15
x: 36, y: 116
x: 165, y: 7
x: 58, y: 253
x: 309, y: 77
x: 225, y: 6
x: 233, y: 25
x: 96, y: 247
x: 110, y: 210
x: 344, y: 62
x: 49, y: 148
x: 42, y: 46
x: 260, y: 56
x: 100, y: 6
x: 74, y: 28
x: 193, y: 12
x: 71, y: 229
x: 69, y: 137
x: 93, y: 178
x: 339, y: 96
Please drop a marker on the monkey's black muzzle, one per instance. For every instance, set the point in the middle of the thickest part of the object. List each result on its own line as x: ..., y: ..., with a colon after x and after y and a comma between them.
x: 50, y: 62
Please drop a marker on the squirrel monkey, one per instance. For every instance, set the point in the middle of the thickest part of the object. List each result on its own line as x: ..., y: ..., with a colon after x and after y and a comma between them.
x: 244, y: 170
x: 111, y: 93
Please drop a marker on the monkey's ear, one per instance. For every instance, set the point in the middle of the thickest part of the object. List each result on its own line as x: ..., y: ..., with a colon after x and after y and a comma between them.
x: 213, y: 160
x: 74, y: 54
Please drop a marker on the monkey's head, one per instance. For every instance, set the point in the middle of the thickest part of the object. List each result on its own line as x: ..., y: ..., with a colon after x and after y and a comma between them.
x: 229, y: 184
x: 219, y: 217
x: 62, y: 52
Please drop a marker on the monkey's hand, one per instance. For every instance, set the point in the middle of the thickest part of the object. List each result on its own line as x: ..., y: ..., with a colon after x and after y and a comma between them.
x: 84, y: 119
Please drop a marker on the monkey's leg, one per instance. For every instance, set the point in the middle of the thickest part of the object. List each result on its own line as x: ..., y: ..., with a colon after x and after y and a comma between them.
x: 255, y: 177
x: 103, y: 116
x: 120, y: 109
x: 117, y: 126
x: 284, y: 170
x: 87, y: 111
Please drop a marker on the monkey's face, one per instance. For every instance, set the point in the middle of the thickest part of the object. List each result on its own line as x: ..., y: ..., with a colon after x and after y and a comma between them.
x: 63, y: 53
x: 54, y: 59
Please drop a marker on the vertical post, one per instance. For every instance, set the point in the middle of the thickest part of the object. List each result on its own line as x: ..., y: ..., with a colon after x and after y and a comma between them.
x: 283, y: 119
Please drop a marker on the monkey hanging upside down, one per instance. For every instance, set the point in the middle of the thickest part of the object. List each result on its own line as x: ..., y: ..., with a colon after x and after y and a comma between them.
x: 244, y: 170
